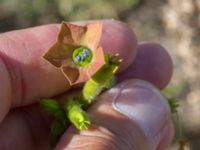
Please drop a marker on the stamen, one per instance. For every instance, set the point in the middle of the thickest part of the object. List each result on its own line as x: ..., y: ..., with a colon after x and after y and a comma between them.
x: 78, y: 58
x: 82, y: 56
x: 85, y: 52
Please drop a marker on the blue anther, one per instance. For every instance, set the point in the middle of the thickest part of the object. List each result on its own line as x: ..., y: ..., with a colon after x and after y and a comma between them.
x: 78, y: 58
x: 85, y: 52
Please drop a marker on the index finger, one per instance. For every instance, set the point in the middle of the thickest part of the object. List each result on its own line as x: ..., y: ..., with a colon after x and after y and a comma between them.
x: 25, y: 77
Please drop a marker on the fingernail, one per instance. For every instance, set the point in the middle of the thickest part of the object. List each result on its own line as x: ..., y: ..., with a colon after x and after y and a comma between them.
x: 142, y: 103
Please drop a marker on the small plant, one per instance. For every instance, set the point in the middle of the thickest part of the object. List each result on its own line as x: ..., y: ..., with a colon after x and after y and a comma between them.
x: 78, y: 55
x: 173, y: 103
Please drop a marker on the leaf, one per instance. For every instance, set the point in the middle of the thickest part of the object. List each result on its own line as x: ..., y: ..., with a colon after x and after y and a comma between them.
x: 57, y: 129
x: 173, y: 103
x: 50, y: 105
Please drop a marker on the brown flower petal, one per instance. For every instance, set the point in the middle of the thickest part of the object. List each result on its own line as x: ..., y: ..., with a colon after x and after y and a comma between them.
x: 71, y: 37
x: 88, y: 36
x: 92, y: 36
x: 97, y: 62
x: 71, y: 33
x: 59, y: 54
x: 70, y: 73
x: 86, y: 72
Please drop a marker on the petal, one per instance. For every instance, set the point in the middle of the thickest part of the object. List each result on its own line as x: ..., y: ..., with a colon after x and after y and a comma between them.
x: 86, y: 72
x: 71, y: 37
x: 71, y: 73
x: 71, y: 33
x: 97, y: 62
x: 59, y: 54
x: 91, y: 38
x: 88, y: 35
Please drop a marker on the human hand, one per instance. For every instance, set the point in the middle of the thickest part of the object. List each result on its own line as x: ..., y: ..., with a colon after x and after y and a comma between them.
x: 137, y: 118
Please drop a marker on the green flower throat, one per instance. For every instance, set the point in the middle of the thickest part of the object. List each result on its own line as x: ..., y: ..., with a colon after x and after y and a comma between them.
x: 82, y: 56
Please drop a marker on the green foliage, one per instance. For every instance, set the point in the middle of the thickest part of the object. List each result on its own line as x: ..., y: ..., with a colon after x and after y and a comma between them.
x: 51, y: 106
x: 84, y: 54
x: 59, y: 124
x: 173, y: 103
x: 171, y: 92
x: 58, y: 127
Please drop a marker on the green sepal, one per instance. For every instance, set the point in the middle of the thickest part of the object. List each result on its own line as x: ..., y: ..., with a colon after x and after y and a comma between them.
x: 110, y: 82
x: 51, y: 106
x: 57, y: 129
x: 77, y: 115
x: 102, y: 79
x: 92, y: 88
x: 105, y: 73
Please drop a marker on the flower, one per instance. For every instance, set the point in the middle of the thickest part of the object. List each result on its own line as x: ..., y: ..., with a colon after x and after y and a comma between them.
x: 77, y: 52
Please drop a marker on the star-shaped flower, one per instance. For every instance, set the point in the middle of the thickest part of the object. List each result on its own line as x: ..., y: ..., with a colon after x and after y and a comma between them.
x: 77, y: 52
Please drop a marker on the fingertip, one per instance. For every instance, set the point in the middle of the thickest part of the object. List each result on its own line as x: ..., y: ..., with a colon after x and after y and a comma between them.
x: 134, y: 111
x: 152, y: 63
x: 5, y: 90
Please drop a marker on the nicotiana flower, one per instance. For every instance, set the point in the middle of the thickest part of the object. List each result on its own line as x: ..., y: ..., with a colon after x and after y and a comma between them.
x: 77, y: 52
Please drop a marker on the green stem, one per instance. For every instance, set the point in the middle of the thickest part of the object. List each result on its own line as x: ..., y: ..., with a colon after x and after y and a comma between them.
x: 182, y: 141
x: 180, y: 131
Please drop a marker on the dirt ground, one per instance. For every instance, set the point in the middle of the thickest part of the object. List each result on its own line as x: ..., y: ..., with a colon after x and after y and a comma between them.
x: 176, y: 24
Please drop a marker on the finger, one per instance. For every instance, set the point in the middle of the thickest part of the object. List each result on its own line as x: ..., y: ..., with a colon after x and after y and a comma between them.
x: 152, y: 64
x: 32, y: 77
x: 26, y: 128
x: 133, y: 115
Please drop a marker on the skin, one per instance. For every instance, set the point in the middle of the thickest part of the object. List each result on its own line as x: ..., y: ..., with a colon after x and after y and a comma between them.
x: 25, y: 77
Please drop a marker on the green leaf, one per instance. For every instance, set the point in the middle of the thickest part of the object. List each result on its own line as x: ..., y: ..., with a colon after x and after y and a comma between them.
x: 57, y: 129
x: 173, y: 103
x: 50, y: 105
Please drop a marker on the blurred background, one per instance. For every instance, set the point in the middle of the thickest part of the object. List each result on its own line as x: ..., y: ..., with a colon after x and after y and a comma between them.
x: 173, y: 23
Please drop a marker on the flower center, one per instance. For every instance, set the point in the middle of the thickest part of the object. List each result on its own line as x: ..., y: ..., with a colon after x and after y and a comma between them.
x: 82, y: 56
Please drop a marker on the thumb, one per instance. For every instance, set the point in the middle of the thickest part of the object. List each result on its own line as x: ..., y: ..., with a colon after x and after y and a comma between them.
x: 131, y: 116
